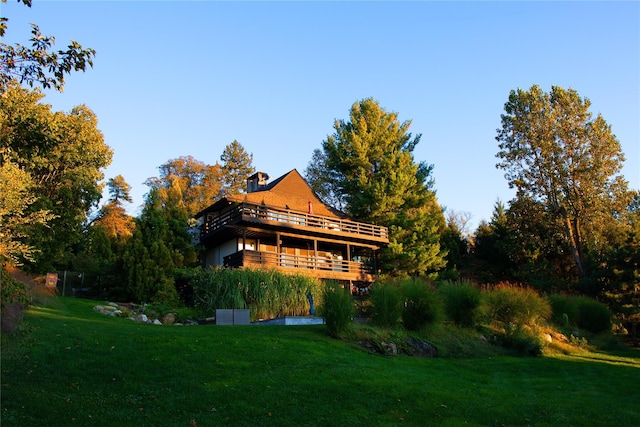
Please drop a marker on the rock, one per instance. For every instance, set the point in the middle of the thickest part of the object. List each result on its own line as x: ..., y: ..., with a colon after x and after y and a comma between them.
x: 157, y: 322
x: 483, y: 339
x: 113, y: 304
x: 422, y: 348
x: 389, y: 348
x: 169, y: 319
x: 142, y: 318
x: 547, y: 338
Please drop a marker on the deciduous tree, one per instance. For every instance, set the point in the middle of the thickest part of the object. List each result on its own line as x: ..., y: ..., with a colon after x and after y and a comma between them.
x: 64, y: 155
x: 554, y: 151
x: 40, y: 64
x: 200, y: 183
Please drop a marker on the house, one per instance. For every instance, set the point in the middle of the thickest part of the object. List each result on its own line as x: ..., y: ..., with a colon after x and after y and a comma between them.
x: 284, y: 225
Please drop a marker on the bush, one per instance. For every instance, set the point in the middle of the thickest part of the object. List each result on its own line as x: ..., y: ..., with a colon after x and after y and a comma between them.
x: 513, y: 307
x: 593, y: 316
x: 337, y: 309
x: 461, y: 302
x: 582, y: 312
x: 422, y: 305
x: 564, y: 310
x: 386, y: 300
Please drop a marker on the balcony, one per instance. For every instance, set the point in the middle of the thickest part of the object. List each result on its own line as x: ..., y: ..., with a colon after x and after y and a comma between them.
x: 277, y: 218
x: 318, y: 266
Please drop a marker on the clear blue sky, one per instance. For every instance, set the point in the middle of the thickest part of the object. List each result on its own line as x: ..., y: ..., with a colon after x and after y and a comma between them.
x: 173, y: 79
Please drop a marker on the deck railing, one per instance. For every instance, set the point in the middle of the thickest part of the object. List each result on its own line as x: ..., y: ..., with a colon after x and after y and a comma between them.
x: 273, y: 259
x: 249, y: 211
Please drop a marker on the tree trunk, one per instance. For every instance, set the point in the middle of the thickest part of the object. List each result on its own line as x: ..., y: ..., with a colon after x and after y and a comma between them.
x: 573, y: 233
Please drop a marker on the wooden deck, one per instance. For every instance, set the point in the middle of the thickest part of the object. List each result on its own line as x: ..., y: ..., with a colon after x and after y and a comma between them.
x: 321, y: 267
x: 249, y: 213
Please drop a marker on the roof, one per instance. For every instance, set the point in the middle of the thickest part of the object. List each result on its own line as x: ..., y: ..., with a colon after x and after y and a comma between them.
x: 290, y: 191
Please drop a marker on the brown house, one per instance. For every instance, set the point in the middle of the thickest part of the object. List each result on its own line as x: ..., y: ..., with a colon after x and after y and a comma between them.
x: 284, y: 225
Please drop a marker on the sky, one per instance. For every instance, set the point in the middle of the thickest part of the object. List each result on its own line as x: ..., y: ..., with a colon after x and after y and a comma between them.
x: 186, y: 78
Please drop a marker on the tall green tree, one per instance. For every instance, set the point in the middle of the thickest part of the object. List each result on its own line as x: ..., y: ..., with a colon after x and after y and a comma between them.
x: 237, y: 166
x: 200, y: 183
x: 40, y: 64
x: 16, y: 188
x: 369, y: 165
x: 64, y: 155
x: 554, y: 151
x: 160, y: 243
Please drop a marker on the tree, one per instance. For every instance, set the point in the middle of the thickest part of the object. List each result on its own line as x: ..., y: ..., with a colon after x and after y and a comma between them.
x: 113, y: 218
x: 236, y: 168
x: 160, y: 243
x: 119, y: 190
x: 17, y: 196
x: 321, y: 179
x: 553, y: 151
x: 63, y: 154
x: 368, y: 164
x: 39, y: 64
x: 200, y: 184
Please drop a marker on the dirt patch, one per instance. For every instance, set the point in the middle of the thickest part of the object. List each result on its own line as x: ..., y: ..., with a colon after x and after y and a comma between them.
x: 12, y: 313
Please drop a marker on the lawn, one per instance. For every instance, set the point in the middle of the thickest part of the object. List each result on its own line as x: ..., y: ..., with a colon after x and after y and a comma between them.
x: 69, y: 365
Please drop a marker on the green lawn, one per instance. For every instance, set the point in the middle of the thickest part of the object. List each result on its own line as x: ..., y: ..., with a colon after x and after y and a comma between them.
x: 69, y: 365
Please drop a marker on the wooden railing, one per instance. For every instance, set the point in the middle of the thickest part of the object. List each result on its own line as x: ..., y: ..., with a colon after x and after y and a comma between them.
x: 249, y: 211
x: 273, y: 259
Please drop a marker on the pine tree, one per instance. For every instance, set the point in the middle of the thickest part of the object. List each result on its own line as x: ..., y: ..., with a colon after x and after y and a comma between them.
x: 236, y: 168
x: 369, y: 165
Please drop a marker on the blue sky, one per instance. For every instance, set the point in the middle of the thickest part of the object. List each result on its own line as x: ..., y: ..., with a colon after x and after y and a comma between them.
x: 173, y: 78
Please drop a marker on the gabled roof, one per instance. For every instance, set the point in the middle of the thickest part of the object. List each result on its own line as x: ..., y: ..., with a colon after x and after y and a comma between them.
x: 290, y: 191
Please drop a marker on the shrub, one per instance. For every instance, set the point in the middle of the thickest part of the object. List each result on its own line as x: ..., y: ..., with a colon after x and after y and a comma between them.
x: 422, y: 305
x: 336, y: 308
x: 513, y: 307
x: 564, y: 310
x: 583, y: 312
x: 386, y: 300
x: 524, y: 343
x: 461, y: 302
x: 593, y: 316
x: 12, y: 291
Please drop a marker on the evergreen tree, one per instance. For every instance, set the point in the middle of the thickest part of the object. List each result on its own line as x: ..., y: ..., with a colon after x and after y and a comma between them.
x: 370, y: 166
x: 160, y: 243
x: 236, y: 168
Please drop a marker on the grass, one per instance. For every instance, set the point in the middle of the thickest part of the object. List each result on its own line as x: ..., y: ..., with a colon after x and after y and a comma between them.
x: 68, y: 365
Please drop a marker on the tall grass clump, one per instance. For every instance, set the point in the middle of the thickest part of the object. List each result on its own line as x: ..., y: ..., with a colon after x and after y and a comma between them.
x: 267, y: 293
x: 593, y: 316
x: 387, y: 302
x: 564, y: 310
x: 512, y: 308
x: 422, y: 304
x: 461, y: 302
x: 582, y: 312
x: 337, y: 309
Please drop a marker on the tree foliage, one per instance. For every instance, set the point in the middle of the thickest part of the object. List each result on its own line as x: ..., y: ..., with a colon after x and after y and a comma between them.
x: 40, y: 64
x: 63, y: 154
x: 553, y: 151
x: 367, y: 165
x: 160, y: 243
x: 236, y: 168
x: 16, y: 188
x: 200, y: 183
